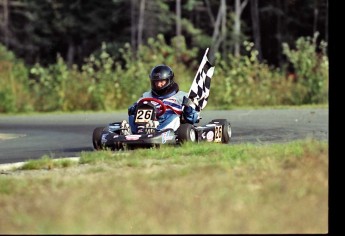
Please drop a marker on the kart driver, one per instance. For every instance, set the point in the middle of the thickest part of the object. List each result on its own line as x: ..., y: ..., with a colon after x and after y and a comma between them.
x: 164, y: 88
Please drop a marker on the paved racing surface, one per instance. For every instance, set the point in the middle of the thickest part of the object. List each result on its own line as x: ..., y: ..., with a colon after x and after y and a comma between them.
x: 30, y: 137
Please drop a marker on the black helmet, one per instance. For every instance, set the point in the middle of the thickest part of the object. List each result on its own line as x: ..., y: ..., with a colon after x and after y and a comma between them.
x: 161, y: 72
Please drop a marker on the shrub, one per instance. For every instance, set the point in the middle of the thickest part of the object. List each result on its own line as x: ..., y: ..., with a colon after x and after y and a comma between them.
x: 14, y: 89
x: 106, y: 82
x: 243, y: 80
x: 310, y: 63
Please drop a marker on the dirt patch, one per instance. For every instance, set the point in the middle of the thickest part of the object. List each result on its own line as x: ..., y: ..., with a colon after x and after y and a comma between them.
x: 10, y: 136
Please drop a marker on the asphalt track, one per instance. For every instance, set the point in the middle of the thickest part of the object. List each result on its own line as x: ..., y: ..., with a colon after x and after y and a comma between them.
x: 30, y: 137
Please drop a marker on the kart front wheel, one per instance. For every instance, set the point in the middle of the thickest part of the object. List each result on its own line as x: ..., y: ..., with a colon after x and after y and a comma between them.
x: 226, y: 129
x: 96, y: 138
x: 186, y: 132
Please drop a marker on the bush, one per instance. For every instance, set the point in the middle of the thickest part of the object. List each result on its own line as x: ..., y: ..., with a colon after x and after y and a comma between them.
x: 310, y: 64
x: 107, y: 83
x: 14, y: 89
x: 243, y: 80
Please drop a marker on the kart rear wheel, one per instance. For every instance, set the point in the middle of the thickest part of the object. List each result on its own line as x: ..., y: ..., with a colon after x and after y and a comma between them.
x: 226, y: 129
x: 186, y: 132
x: 96, y: 138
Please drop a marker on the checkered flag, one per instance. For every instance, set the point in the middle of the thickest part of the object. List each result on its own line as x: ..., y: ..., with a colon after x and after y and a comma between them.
x: 200, y: 89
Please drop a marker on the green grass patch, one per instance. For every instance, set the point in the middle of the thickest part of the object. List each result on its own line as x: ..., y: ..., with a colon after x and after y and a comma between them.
x: 192, y: 189
x: 47, y: 162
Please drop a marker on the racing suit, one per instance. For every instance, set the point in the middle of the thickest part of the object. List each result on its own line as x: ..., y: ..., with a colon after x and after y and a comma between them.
x: 174, y: 102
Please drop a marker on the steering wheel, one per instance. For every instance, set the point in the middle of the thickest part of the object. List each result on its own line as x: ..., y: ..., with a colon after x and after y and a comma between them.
x: 162, y: 107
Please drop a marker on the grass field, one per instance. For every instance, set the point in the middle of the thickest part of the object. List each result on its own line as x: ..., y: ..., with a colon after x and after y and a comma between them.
x: 193, y: 189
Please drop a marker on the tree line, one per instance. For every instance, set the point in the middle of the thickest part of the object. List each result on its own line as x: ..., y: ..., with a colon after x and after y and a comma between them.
x: 67, y: 55
x: 38, y: 31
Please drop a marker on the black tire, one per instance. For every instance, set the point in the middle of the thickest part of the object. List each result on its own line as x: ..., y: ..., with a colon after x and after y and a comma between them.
x: 226, y: 129
x: 186, y: 132
x: 96, y: 138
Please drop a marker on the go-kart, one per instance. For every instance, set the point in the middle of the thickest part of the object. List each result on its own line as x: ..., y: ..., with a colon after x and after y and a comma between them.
x: 114, y: 137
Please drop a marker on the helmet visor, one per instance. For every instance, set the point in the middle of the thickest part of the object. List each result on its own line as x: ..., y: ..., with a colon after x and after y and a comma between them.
x: 159, y: 84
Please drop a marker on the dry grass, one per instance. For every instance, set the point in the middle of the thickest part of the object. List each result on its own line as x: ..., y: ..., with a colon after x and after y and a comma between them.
x: 212, y: 189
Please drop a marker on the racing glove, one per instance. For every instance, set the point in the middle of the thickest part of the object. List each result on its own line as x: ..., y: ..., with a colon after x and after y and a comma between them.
x: 189, y: 113
x: 187, y: 102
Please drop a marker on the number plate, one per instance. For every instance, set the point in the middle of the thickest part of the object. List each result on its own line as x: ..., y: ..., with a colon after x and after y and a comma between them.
x: 143, y: 115
x: 218, y: 133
